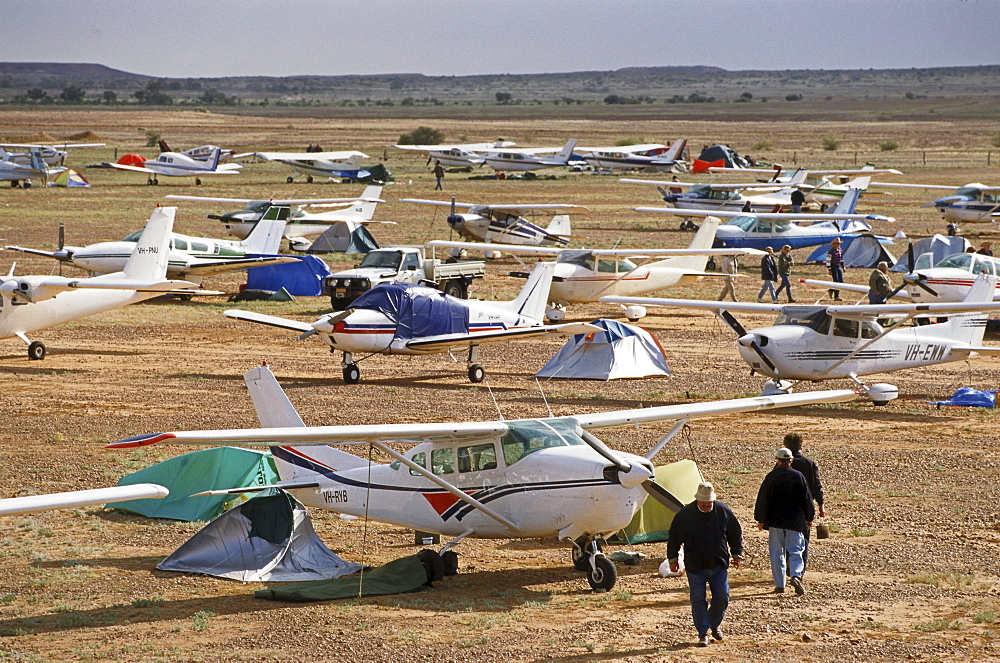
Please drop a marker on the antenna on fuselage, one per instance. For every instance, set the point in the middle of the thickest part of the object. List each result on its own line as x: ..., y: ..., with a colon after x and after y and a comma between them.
x: 544, y: 400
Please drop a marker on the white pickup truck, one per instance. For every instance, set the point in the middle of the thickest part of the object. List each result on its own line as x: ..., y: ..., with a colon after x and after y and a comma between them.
x: 405, y: 264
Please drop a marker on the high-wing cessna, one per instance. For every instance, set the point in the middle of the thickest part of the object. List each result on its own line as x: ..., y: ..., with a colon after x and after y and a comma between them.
x: 819, y: 185
x: 652, y: 155
x: 52, y: 155
x: 811, y: 343
x: 586, y: 275
x: 188, y: 257
x: 504, y: 224
x: 177, y: 164
x: 345, y: 164
x: 459, y: 155
x: 32, y: 303
x: 972, y: 203
x: 407, y: 319
x: 759, y: 230
x: 530, y: 158
x: 301, y: 223
x: 527, y: 478
x: 22, y: 175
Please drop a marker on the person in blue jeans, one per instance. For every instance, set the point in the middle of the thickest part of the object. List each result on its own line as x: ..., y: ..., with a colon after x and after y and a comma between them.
x: 785, y: 509
x: 709, y: 533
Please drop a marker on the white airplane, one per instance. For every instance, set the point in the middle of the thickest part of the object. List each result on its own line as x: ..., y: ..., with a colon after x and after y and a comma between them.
x: 52, y: 155
x: 759, y: 230
x: 504, y: 224
x: 200, y: 153
x: 301, y: 223
x: 189, y: 257
x: 407, y: 319
x: 17, y: 506
x: 530, y: 158
x: 22, y: 175
x: 32, y: 303
x: 512, y: 479
x: 653, y: 155
x: 345, y: 164
x: 819, y: 185
x: 176, y: 164
x: 972, y: 203
x: 812, y: 343
x: 459, y: 155
x: 586, y: 275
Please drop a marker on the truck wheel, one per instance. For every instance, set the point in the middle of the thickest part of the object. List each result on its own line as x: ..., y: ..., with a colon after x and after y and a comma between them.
x: 338, y: 303
x: 455, y: 288
x: 476, y: 373
x: 352, y: 375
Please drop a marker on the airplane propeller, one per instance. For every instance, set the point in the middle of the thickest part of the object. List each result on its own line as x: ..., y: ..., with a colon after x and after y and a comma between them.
x: 325, y: 324
x: 750, y: 341
x: 631, y: 475
x: 912, y: 277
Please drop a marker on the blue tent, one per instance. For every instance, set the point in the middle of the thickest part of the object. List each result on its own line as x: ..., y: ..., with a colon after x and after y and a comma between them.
x: 302, y: 278
x: 417, y: 310
x: 969, y: 397
x: 859, y: 251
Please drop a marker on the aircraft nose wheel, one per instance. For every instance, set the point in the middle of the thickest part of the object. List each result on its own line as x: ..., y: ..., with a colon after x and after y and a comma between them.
x: 602, y: 575
x: 36, y: 350
x: 352, y: 374
x: 476, y: 373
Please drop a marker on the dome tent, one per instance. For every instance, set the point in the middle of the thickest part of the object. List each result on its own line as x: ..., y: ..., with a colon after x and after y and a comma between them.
x: 620, y: 351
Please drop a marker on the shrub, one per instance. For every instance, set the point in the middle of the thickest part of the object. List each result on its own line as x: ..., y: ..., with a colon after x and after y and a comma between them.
x: 763, y: 145
x: 888, y: 145
x: 422, y: 136
x: 831, y: 144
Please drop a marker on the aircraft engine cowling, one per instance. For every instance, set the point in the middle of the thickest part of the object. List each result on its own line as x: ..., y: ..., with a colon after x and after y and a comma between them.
x: 24, y: 290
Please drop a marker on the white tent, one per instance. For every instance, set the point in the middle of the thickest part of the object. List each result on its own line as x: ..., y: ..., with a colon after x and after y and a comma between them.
x: 939, y: 246
x: 266, y: 539
x: 620, y: 351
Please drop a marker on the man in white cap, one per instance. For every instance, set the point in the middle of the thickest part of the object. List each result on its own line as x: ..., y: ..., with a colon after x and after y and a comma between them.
x: 785, y: 509
x: 709, y: 532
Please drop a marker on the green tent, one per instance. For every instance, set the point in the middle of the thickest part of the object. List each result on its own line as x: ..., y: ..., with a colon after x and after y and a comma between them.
x: 652, y: 521
x: 208, y: 469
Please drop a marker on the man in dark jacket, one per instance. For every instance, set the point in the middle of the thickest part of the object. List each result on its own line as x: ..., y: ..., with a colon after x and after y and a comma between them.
x: 810, y: 470
x: 709, y: 532
x: 785, y: 509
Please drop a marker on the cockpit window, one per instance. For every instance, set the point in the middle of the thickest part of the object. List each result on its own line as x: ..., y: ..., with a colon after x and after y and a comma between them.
x: 477, y: 457
x: 813, y: 317
x: 742, y: 222
x: 958, y: 261
x: 526, y: 437
x: 846, y: 328
x: 870, y: 329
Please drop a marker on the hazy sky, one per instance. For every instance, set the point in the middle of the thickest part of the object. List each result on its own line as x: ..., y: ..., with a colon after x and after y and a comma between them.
x: 199, y: 38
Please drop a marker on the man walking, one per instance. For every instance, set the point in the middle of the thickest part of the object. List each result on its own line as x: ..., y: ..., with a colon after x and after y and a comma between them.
x: 709, y: 532
x: 768, y: 275
x: 438, y: 174
x: 785, y: 509
x: 810, y: 470
x: 785, y: 262
x: 729, y: 267
x: 836, y: 265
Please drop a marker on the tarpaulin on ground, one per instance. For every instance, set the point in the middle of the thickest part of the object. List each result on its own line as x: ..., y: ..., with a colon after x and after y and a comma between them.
x: 302, y: 278
x: 418, y: 311
x: 969, y: 397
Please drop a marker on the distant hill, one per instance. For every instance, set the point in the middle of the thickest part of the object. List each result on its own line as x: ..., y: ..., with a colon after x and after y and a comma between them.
x: 64, y: 70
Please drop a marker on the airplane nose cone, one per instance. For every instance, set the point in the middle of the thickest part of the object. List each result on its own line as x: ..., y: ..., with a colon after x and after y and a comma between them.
x: 746, y: 340
x: 635, y: 476
x: 323, y: 325
x: 455, y: 221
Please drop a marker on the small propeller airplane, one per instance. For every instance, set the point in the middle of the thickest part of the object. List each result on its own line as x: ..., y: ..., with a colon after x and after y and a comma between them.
x: 526, y: 478
x: 726, y: 197
x: 530, y: 158
x: 178, y: 164
x: 22, y: 175
x: 759, y: 230
x: 189, y: 257
x: 972, y: 203
x: 345, y: 164
x: 32, y: 303
x: 459, y: 155
x: 813, y: 343
x: 200, y: 153
x: 406, y: 319
x: 819, y: 185
x: 586, y: 275
x: 505, y: 224
x: 653, y: 155
x: 51, y: 154
x: 301, y: 223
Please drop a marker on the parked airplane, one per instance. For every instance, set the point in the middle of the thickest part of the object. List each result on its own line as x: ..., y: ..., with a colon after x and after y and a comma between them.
x: 407, y: 319
x: 511, y: 479
x: 713, y: 197
x: 32, y: 303
x: 459, y: 155
x: 972, y: 203
x: 530, y: 158
x: 811, y: 343
x: 759, y: 230
x: 200, y: 153
x: 652, y: 155
x: 342, y: 165
x: 301, y: 223
x: 585, y: 275
x: 19, y: 175
x: 504, y: 223
x: 189, y: 257
x: 52, y: 155
x: 176, y: 164
x: 819, y: 185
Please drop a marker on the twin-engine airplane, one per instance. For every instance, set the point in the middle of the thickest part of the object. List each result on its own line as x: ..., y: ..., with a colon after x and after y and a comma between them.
x: 586, y: 275
x: 31, y: 303
x: 528, y: 478
x: 459, y: 155
x: 345, y: 164
x: 504, y: 224
x: 407, y: 319
x: 652, y: 155
x: 530, y: 158
x: 812, y: 343
x: 188, y: 257
x: 178, y: 164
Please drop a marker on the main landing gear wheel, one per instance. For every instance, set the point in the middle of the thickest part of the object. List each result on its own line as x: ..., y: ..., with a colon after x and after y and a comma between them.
x: 603, y: 575
x: 197, y: 181
x: 309, y: 179
x: 36, y: 350
x: 290, y: 180
x: 476, y: 373
x: 352, y: 375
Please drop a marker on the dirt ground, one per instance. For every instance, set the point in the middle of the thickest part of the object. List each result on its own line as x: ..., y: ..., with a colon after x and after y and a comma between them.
x: 909, y: 572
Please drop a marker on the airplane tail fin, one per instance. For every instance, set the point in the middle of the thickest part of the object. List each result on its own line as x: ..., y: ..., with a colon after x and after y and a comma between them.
x: 675, y: 150
x: 366, y: 210
x: 560, y: 226
x: 265, y: 236
x: 151, y: 254
x: 847, y: 204
x: 567, y: 151
x: 533, y: 299
x: 970, y: 327
x: 798, y: 177
x: 36, y: 161
x: 163, y: 146
x: 703, y: 239
x: 213, y: 159
x: 860, y: 183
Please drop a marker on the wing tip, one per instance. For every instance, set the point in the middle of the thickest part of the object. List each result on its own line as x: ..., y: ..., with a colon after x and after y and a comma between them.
x: 140, y: 440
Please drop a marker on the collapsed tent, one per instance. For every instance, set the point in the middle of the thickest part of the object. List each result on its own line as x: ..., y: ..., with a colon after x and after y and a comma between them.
x: 652, y: 521
x: 69, y: 178
x: 969, y: 397
x: 302, y: 278
x: 417, y: 310
x: 939, y: 246
x: 718, y: 156
x: 268, y: 538
x: 346, y: 237
x: 619, y: 351
x: 377, y: 174
x: 859, y: 251
x: 208, y: 469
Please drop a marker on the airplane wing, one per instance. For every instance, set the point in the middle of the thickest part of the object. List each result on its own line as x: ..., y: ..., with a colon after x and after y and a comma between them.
x: 444, y: 342
x: 547, y: 250
x: 304, y: 156
x: 37, y: 252
x: 769, y: 216
x: 983, y: 350
x: 76, y: 498
x: 556, y: 208
x: 850, y: 287
x: 138, y: 169
x: 746, y: 185
x: 275, y: 201
x: 438, y: 203
x: 902, y: 185
x: 695, y: 303
x: 271, y: 320
x: 847, y: 310
x: 213, y: 267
